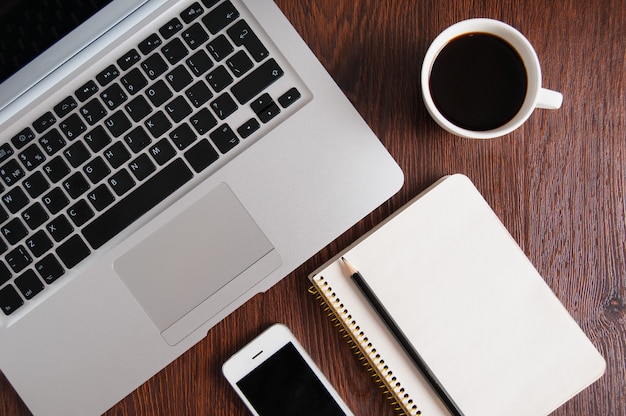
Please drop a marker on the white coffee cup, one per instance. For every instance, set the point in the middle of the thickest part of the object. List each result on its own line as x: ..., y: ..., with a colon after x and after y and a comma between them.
x: 535, y: 97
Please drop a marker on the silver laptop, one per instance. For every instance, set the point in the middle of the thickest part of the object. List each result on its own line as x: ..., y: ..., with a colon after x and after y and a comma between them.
x: 160, y: 165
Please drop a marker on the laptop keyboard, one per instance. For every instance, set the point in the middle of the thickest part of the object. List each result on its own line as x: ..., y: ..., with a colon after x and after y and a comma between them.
x: 163, y: 113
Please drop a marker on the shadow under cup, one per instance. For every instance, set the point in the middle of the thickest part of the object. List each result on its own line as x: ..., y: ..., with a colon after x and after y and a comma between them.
x: 481, y: 79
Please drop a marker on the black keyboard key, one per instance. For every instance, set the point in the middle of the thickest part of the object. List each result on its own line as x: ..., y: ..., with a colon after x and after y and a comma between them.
x: 257, y: 81
x: 31, y: 157
x: 203, y: 121
x: 118, y: 123
x: 21, y: 139
x: 154, y: 66
x: 121, y: 182
x: 44, y: 122
x: 224, y: 105
x: 15, y: 199
x: 191, y: 12
x: 220, y: 17
x: 201, y: 155
x: 265, y: 108
x: 39, y: 243
x: 134, y: 81
x: 11, y: 172
x: 220, y: 48
x: 158, y: 124
x: 56, y: 169
x: 289, y: 97
x: 97, y: 139
x: 183, y: 136
x: 93, y: 111
x: 162, y: 152
x: 13, y: 231
x: 77, y: 154
x: 72, y: 127
x: 96, y: 170
x: 59, y: 228
x: 65, y: 107
x: 224, y: 138
x: 105, y: 77
x: 241, y: 34
x: 174, y: 51
x: 73, y: 251
x: 55, y: 200
x: 6, y: 151
x: 179, y: 78
x: 137, y: 139
x: 138, y: 108
x: 80, y: 213
x: 137, y: 203
x: 150, y: 43
x: 86, y: 91
x: 178, y: 109
x: 18, y: 259
x: 142, y: 167
x: 3, y: 215
x: 199, y: 94
x: 113, y: 96
x: 129, y: 59
x: 36, y: 184
x: 195, y: 36
x: 116, y: 155
x: 239, y: 64
x: 76, y: 185
x: 210, y: 3
x: 158, y: 93
x: 49, y: 268
x: 100, y: 197
x: 29, y: 284
x: 35, y: 215
x: 199, y: 63
x: 219, y: 78
x: 52, y: 142
x: 170, y: 28
x: 5, y: 273
x: 247, y: 128
x: 10, y: 300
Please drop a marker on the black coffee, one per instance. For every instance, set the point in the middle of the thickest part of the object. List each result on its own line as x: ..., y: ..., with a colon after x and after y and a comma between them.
x: 478, y: 81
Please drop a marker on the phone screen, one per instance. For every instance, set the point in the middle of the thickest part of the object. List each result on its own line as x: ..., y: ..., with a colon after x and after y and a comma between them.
x: 285, y: 385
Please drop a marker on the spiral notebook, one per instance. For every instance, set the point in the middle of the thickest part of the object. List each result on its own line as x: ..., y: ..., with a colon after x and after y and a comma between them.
x: 470, y: 302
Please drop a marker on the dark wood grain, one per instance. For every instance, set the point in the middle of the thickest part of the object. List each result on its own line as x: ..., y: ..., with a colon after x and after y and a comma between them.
x: 558, y: 183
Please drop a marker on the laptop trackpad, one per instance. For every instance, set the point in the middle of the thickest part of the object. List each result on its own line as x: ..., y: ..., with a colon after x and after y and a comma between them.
x: 197, y: 263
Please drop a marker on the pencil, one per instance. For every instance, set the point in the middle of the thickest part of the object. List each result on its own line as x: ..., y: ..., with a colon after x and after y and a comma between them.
x: 402, y: 339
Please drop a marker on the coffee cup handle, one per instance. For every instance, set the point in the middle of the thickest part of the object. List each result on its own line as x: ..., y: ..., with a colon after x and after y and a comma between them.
x: 549, y: 99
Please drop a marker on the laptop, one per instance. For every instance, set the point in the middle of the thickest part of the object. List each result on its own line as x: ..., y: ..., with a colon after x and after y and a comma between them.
x: 161, y: 162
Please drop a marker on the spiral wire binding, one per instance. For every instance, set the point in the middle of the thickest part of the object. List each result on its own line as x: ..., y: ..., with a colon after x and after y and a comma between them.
x: 363, y: 348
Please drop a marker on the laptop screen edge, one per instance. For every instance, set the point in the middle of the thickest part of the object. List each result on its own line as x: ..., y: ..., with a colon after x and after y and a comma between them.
x: 64, y: 49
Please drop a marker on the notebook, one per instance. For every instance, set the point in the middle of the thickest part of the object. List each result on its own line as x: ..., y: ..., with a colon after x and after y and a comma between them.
x: 159, y: 165
x: 472, y: 305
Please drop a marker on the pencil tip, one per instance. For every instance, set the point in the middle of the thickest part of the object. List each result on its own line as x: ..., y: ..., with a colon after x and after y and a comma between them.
x: 351, y: 269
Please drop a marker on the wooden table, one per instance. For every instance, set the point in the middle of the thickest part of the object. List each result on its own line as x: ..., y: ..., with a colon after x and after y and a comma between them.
x: 558, y: 183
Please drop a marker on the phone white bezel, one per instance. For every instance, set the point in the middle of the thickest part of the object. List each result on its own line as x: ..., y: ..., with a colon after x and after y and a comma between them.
x: 263, y: 347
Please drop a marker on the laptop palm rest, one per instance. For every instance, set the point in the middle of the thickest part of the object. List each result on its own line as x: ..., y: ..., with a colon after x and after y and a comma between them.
x: 197, y: 263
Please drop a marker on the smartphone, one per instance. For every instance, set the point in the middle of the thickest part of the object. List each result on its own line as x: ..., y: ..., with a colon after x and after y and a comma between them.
x: 275, y: 376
